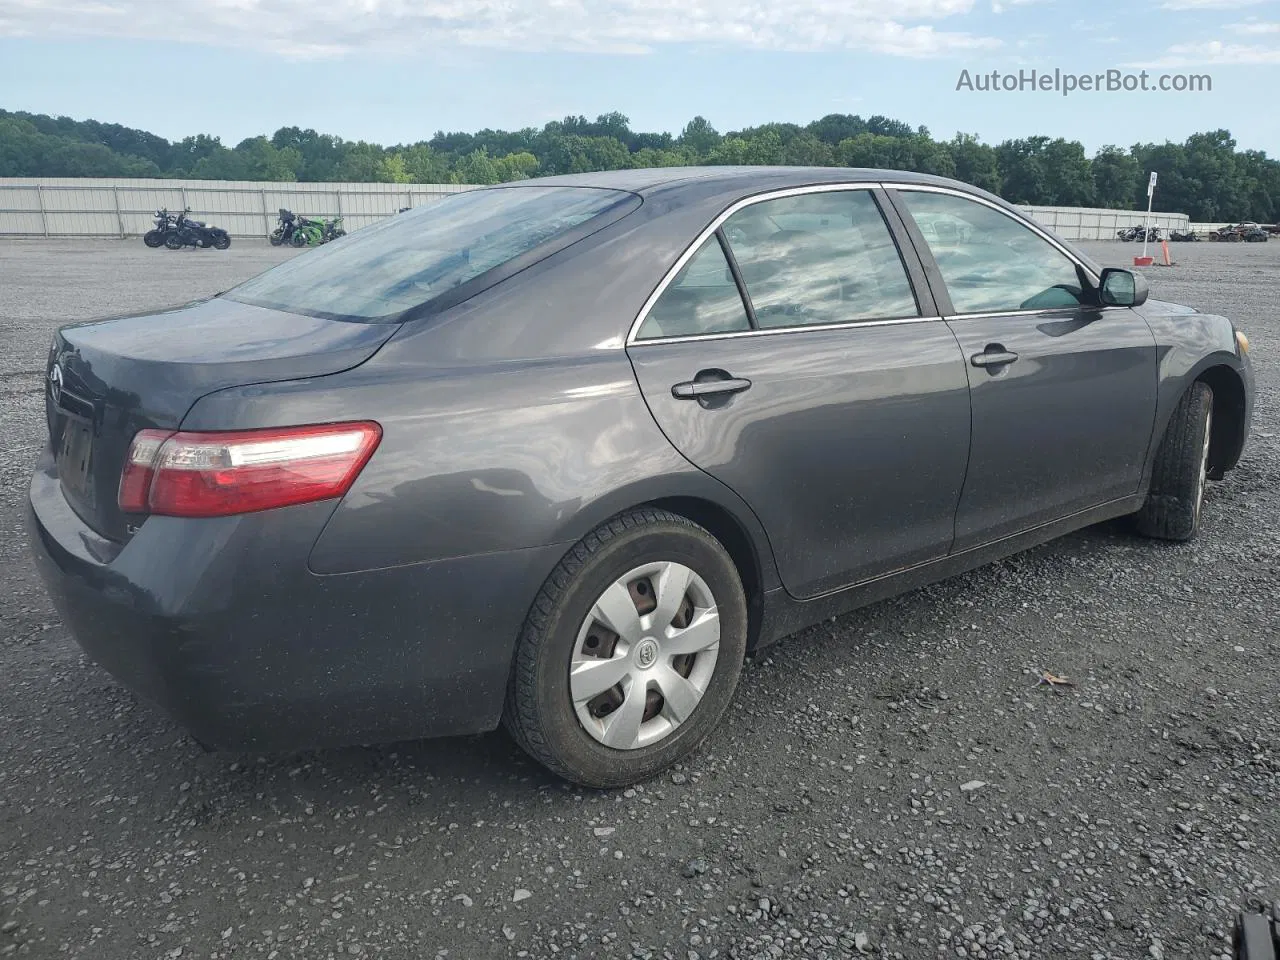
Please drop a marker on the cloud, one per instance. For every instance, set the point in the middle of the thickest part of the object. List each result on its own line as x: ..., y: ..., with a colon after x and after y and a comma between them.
x: 1210, y: 4
x: 334, y: 28
x: 1254, y: 28
x: 1212, y: 52
x: 1000, y: 6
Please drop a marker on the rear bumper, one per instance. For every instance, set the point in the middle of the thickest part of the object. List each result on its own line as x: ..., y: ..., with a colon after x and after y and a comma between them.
x: 221, y: 623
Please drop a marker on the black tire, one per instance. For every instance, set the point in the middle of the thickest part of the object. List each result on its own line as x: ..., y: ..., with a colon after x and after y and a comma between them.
x: 1174, y: 502
x: 173, y: 240
x: 277, y: 237
x: 299, y: 239
x: 153, y: 238
x: 221, y: 241
x: 539, y: 711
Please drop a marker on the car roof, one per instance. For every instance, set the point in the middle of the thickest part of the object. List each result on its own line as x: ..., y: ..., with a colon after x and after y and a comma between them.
x: 743, y: 178
x: 719, y: 186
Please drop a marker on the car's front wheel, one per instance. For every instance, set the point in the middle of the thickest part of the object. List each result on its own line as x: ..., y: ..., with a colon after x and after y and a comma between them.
x: 1176, y: 498
x: 631, y: 652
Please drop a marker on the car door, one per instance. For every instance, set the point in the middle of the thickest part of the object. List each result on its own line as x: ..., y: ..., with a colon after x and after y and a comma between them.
x: 795, y: 355
x: 1063, y: 390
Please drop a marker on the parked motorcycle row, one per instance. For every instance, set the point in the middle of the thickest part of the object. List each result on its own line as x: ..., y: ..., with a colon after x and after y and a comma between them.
x: 177, y: 230
x: 297, y: 231
x: 1135, y: 233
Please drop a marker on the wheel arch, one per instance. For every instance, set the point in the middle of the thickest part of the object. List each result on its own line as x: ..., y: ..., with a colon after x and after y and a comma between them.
x: 711, y: 505
x: 1226, y: 441
x: 737, y: 542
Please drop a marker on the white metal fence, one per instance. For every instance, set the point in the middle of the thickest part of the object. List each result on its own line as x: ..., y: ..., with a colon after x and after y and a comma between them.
x: 125, y: 208
x: 1089, y: 223
x: 42, y: 207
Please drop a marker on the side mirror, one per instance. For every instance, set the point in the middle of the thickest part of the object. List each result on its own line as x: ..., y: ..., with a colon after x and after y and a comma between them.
x: 1122, y: 288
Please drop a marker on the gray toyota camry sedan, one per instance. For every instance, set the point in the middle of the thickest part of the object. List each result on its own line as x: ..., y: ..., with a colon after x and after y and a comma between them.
x: 559, y: 454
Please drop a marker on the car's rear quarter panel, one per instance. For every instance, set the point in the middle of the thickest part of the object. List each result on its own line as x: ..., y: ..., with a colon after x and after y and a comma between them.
x: 512, y: 421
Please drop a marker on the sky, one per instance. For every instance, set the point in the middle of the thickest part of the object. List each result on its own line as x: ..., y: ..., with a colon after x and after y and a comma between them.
x: 397, y: 71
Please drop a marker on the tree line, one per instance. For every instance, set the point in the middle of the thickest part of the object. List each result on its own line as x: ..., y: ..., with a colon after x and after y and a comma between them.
x: 1206, y: 176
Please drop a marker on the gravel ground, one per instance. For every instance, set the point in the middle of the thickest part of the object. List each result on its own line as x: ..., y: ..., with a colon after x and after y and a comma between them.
x: 891, y: 783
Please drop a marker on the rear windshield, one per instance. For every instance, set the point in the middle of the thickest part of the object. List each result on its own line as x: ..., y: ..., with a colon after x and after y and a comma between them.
x: 379, y: 272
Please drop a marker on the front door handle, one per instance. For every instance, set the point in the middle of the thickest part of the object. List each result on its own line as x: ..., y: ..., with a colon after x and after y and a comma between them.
x: 694, y: 389
x: 994, y: 356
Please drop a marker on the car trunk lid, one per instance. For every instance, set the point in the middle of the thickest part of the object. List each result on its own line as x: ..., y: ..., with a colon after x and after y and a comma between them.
x: 108, y: 379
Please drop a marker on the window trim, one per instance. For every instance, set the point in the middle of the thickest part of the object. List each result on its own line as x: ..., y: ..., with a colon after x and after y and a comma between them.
x: 714, y: 228
x: 736, y: 272
x: 1017, y: 218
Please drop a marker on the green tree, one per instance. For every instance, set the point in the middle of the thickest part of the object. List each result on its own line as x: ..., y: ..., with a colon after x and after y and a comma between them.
x: 516, y: 166
x: 362, y: 163
x: 699, y: 136
x: 259, y: 159
x: 729, y: 152
x: 1115, y: 175
x: 765, y: 149
x: 394, y: 169
x: 425, y: 165
x: 1022, y: 172
x: 806, y: 150
x: 653, y: 157
x: 975, y: 162
x: 1068, y: 176
x: 476, y: 167
x: 835, y: 128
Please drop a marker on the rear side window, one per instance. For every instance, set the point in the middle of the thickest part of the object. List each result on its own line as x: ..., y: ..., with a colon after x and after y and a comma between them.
x: 703, y: 298
x: 820, y: 258
x: 378, y: 273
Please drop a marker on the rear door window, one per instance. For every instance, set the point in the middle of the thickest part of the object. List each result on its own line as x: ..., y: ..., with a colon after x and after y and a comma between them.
x: 820, y: 258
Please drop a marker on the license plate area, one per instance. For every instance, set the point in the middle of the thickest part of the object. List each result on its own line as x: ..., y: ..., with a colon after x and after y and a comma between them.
x: 75, y: 459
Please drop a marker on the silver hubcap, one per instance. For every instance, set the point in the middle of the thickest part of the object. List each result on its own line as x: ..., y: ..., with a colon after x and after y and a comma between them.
x: 645, y: 655
x: 1204, y: 462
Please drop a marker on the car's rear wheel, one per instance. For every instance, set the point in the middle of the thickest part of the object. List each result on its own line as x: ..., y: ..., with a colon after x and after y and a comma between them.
x: 1176, y: 498
x: 631, y: 652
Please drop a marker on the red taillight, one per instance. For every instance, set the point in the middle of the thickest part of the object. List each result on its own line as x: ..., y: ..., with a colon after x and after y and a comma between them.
x: 218, y: 474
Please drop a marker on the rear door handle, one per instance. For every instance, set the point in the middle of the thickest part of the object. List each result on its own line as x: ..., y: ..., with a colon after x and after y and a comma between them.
x: 693, y: 389
x: 993, y: 357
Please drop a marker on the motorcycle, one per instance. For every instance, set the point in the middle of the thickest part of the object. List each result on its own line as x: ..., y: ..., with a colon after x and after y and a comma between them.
x: 1188, y: 236
x: 1135, y: 233
x: 332, y: 230
x: 164, y: 223
x: 195, y: 233
x: 307, y: 232
x: 284, y: 232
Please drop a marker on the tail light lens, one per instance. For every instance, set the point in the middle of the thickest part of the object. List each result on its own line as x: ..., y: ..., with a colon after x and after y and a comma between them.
x: 189, y: 474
